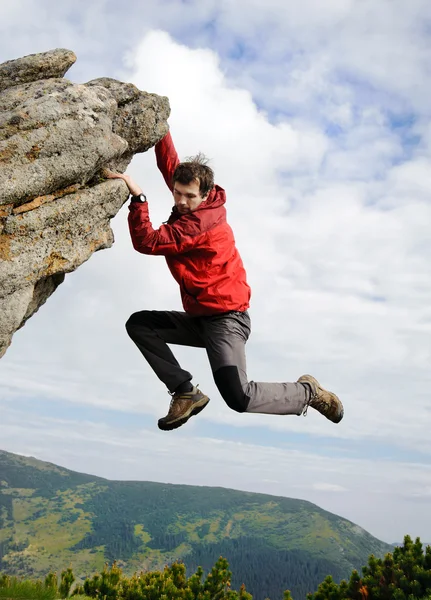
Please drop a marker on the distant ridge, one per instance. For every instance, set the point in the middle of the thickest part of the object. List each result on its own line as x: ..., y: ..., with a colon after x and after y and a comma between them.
x: 51, y: 517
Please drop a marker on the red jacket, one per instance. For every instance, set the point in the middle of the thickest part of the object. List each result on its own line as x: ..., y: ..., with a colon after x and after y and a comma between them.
x: 199, y: 247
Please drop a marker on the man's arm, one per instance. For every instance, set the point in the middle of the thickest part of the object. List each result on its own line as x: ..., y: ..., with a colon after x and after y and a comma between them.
x: 167, y: 158
x: 168, y: 239
x: 165, y: 241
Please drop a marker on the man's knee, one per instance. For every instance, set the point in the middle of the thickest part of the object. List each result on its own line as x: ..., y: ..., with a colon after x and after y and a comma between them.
x: 147, y: 321
x: 229, y: 385
x: 138, y: 319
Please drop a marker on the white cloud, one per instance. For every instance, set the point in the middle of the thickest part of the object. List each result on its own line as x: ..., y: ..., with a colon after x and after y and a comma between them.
x: 327, y: 294
x: 328, y: 487
x: 327, y: 55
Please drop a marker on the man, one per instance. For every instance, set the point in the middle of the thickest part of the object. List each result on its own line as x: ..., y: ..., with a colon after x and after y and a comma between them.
x: 200, y: 251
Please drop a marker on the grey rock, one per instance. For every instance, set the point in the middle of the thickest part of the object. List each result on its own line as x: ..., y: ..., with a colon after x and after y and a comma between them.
x: 55, y: 208
x: 59, y: 134
x: 136, y: 120
x: 34, y: 67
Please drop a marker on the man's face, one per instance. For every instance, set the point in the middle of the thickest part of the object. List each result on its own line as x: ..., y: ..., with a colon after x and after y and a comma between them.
x: 187, y: 197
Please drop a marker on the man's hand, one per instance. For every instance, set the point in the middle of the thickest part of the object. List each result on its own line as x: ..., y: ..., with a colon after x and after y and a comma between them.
x: 134, y: 188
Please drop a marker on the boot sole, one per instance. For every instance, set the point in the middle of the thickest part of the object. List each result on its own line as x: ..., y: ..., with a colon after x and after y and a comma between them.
x: 194, y: 411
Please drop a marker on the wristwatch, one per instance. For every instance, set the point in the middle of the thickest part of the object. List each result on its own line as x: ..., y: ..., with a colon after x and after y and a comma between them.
x: 140, y: 198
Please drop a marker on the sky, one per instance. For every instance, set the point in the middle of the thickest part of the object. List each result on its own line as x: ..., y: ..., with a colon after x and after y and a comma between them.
x: 316, y: 118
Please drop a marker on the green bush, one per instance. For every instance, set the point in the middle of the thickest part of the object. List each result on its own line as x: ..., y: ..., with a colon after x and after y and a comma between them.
x: 22, y: 589
x: 169, y: 584
x: 15, y: 589
x: 404, y: 574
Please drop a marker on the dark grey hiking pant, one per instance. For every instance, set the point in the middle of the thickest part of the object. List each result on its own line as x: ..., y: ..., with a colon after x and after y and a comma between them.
x: 224, y: 337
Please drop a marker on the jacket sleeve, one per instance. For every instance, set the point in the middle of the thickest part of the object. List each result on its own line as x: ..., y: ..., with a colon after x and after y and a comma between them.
x: 168, y: 239
x: 167, y: 158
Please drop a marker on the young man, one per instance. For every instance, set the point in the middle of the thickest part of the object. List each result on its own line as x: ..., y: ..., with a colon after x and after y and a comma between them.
x: 200, y: 251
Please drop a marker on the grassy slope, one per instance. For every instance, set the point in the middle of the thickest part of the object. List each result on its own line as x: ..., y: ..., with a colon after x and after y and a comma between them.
x: 51, y: 517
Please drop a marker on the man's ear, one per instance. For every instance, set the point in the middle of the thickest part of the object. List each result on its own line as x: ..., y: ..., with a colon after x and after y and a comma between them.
x: 207, y: 194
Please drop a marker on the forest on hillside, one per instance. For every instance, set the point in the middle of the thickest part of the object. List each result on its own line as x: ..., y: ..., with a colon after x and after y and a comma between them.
x: 404, y: 574
x: 51, y: 518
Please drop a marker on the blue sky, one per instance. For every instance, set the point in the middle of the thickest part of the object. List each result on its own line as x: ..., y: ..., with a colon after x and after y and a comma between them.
x: 317, y: 122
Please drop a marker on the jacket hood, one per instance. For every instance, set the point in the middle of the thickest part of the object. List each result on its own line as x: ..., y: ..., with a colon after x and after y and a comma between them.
x: 216, y: 198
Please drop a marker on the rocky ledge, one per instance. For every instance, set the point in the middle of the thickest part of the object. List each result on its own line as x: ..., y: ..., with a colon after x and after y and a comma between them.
x: 55, y: 138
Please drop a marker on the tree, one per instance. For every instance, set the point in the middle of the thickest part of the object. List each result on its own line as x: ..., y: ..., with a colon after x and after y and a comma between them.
x: 404, y: 574
x: 169, y: 584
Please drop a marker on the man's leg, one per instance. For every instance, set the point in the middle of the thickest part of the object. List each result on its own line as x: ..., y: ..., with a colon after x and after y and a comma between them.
x: 226, y: 336
x: 153, y: 330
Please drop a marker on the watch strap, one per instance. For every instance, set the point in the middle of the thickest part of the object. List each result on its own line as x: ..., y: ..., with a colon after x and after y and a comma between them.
x: 140, y: 198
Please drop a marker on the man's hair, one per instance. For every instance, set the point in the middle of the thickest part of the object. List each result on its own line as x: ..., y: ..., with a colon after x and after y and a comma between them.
x: 192, y: 168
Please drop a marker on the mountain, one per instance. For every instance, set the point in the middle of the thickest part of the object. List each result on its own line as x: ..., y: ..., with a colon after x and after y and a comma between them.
x: 51, y: 518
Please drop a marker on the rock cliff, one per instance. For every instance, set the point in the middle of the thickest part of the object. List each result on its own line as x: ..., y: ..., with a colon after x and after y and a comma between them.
x: 55, y: 138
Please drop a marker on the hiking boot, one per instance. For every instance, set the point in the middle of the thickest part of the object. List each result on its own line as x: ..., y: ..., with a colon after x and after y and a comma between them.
x: 327, y: 403
x: 182, y: 407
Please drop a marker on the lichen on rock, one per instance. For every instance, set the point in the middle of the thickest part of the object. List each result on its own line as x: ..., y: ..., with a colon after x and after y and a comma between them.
x: 55, y: 138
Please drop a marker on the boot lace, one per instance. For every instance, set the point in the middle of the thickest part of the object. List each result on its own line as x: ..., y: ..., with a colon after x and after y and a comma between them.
x: 312, y: 396
x: 318, y: 403
x: 180, y: 396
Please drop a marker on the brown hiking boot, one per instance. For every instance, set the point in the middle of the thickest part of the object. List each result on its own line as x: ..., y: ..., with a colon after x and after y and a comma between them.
x: 327, y: 403
x: 182, y: 407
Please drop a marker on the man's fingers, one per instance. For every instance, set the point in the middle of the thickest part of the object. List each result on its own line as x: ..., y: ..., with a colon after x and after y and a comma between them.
x: 109, y: 174
x: 133, y: 188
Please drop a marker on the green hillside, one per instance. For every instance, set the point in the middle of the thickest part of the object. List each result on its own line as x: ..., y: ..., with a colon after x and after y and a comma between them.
x: 51, y: 517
